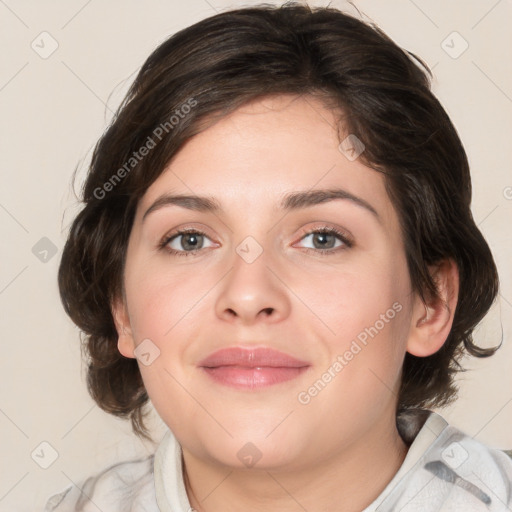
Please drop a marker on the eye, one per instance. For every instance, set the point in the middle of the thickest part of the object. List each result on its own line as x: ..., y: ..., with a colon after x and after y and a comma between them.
x: 185, y: 242
x: 324, y: 240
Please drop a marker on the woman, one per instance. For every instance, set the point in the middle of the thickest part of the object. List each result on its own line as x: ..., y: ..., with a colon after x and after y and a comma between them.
x: 332, y: 275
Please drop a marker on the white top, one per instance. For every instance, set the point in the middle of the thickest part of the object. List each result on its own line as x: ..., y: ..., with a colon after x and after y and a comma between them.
x: 444, y: 470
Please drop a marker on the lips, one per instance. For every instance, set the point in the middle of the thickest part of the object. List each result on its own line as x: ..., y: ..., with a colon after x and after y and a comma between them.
x: 252, y: 358
x: 251, y: 368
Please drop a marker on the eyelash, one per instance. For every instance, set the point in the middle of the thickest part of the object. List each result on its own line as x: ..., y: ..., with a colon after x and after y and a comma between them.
x: 163, y: 245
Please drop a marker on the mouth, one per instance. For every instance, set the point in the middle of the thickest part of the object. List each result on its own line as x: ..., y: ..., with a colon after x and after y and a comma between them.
x: 252, y: 368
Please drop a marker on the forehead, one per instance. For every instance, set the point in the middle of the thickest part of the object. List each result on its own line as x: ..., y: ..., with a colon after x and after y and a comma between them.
x: 265, y: 150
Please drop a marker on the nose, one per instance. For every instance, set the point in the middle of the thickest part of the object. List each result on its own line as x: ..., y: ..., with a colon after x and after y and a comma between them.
x: 253, y: 292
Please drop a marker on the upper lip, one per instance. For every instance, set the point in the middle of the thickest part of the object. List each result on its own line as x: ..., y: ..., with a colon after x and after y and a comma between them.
x: 251, y: 357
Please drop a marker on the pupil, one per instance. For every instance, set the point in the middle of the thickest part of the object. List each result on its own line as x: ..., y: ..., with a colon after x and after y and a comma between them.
x: 187, y: 243
x: 322, y: 238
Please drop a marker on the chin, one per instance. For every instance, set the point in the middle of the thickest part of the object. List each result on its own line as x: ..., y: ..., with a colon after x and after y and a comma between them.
x: 253, y: 450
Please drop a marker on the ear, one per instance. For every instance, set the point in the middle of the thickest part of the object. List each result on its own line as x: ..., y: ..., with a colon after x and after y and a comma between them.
x: 125, y: 342
x: 432, y: 320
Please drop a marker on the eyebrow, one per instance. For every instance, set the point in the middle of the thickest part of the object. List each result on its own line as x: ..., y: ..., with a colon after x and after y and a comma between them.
x: 291, y: 201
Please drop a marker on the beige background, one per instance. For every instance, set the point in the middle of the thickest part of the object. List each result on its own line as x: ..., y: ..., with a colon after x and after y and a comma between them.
x: 53, y: 109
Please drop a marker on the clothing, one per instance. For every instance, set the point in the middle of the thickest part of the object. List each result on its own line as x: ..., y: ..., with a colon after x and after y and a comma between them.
x: 444, y: 470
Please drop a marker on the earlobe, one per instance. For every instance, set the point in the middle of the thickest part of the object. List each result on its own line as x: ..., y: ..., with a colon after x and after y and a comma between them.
x: 125, y: 342
x: 432, y: 320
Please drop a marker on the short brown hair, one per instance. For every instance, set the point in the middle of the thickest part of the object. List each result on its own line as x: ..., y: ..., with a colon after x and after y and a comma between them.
x: 235, y: 57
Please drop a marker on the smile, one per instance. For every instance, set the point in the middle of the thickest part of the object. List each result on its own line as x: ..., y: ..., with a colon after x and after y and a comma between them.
x: 252, y: 368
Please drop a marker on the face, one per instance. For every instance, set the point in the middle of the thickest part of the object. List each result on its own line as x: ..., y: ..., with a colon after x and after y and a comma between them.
x: 320, y: 278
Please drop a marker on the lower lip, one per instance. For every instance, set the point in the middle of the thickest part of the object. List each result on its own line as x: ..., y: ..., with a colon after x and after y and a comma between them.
x: 242, y: 377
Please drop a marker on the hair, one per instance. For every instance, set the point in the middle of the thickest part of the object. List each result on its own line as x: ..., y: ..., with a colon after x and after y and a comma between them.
x: 212, y: 68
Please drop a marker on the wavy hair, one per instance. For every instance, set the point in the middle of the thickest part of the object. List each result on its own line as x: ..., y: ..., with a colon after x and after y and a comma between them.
x: 213, y: 67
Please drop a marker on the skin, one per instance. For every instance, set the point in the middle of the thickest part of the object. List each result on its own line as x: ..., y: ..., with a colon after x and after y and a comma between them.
x: 339, y: 451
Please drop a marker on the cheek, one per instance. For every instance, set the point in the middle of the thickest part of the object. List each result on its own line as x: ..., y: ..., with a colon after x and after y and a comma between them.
x: 164, y: 309
x: 159, y: 299
x: 349, y: 299
x: 368, y: 312
x: 375, y: 344
x: 365, y: 360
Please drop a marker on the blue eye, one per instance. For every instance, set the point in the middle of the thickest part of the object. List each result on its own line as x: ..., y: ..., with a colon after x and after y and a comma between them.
x: 190, y: 242
x: 324, y: 238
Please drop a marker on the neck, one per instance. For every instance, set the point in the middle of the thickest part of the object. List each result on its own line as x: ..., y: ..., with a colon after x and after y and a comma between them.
x: 348, y: 481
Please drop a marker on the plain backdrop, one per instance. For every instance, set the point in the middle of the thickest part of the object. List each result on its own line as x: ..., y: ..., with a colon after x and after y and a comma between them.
x: 65, y: 67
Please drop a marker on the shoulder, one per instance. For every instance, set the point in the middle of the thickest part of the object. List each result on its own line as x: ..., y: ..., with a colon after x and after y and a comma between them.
x: 474, y: 470
x: 464, y: 451
x: 125, y: 486
x: 446, y: 469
